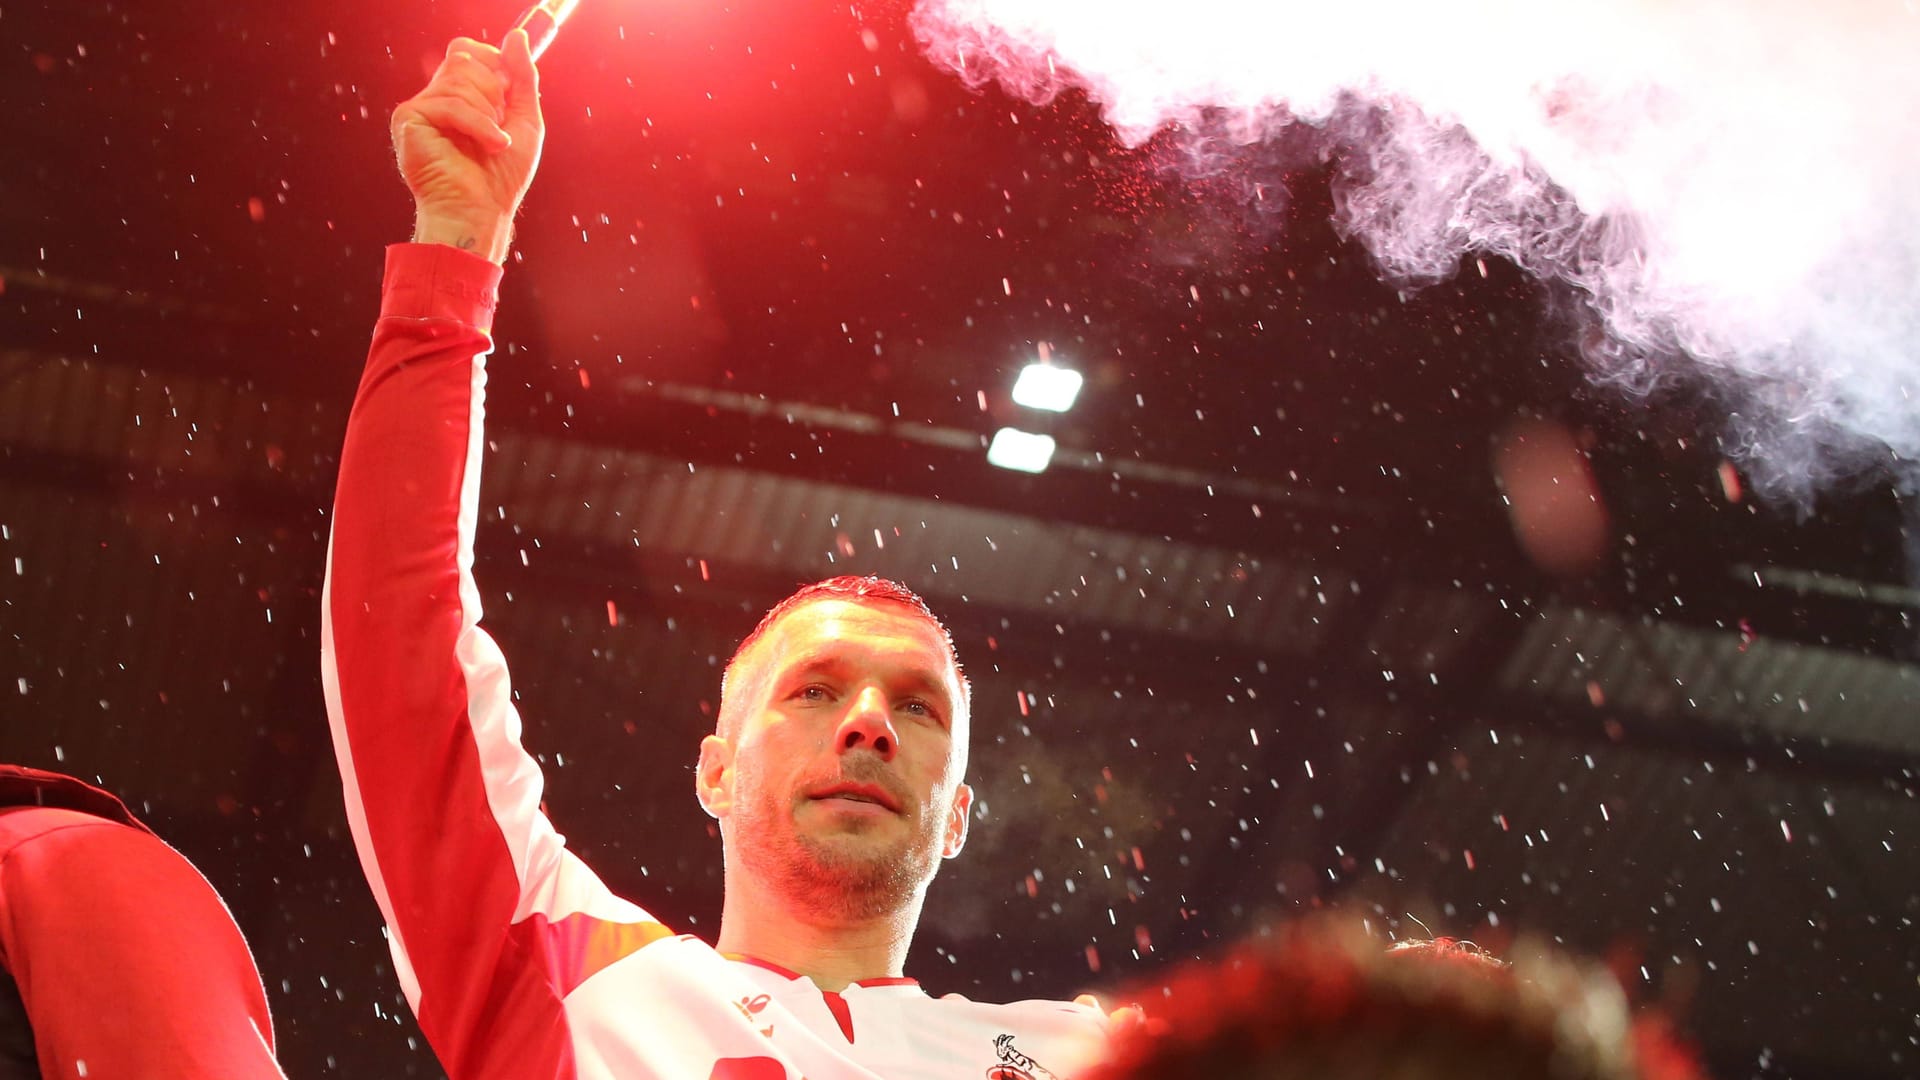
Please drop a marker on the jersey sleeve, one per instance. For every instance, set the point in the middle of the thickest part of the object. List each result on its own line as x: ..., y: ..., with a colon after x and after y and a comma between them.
x: 492, y: 921
x: 125, y: 959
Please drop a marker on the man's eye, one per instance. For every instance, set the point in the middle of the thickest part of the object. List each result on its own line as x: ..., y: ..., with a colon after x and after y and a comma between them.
x: 918, y: 708
x: 813, y: 692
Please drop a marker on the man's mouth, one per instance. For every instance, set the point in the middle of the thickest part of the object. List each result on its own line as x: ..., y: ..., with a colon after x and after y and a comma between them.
x: 856, y: 793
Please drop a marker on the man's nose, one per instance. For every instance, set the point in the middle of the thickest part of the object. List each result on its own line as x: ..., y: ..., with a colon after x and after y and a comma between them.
x: 868, y: 726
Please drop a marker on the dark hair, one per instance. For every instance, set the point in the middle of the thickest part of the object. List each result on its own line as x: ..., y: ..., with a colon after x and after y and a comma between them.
x: 1320, y: 1002
x: 867, y: 588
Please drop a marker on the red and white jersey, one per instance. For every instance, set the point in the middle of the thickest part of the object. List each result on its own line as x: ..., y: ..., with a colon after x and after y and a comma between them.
x: 517, y: 960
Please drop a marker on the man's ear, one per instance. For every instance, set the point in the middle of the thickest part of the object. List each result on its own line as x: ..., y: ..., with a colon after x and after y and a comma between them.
x: 957, y: 817
x: 713, y: 776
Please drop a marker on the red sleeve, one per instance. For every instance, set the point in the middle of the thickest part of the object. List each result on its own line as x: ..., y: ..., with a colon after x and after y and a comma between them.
x: 127, y: 962
x: 491, y: 920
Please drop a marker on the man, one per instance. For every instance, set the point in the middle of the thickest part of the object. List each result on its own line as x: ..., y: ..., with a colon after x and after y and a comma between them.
x: 117, y: 959
x: 835, y: 770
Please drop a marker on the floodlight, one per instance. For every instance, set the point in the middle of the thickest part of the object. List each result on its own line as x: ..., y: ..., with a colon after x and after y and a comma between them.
x: 1020, y: 450
x: 1043, y: 386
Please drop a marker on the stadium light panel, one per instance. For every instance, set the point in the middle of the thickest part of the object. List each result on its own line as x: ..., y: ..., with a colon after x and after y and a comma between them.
x: 1043, y: 386
x: 1020, y: 450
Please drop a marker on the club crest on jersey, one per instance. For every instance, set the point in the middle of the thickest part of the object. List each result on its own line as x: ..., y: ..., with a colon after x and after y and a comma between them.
x: 750, y: 1008
x: 1015, y: 1065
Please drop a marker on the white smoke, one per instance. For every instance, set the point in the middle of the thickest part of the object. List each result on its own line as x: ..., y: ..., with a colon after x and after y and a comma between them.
x: 1739, y: 180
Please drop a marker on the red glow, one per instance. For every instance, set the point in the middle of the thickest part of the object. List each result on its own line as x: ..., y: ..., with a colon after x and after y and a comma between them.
x: 1558, y: 516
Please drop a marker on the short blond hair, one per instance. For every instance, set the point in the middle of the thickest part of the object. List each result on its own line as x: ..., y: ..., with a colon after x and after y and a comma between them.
x: 867, y: 588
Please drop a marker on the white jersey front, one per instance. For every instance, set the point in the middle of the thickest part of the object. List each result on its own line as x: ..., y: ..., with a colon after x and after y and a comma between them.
x: 738, y: 1018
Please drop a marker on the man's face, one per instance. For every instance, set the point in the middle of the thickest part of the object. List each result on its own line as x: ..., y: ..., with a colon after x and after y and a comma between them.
x: 839, y: 783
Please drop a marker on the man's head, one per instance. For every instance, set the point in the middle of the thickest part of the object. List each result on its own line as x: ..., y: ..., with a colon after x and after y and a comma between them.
x: 1319, y: 1000
x: 836, y: 767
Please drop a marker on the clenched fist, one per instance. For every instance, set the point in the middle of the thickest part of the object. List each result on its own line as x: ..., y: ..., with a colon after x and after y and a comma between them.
x: 468, y: 144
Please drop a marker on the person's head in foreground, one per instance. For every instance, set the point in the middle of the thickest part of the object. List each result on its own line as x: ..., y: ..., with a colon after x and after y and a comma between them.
x: 835, y: 769
x: 1325, y: 1003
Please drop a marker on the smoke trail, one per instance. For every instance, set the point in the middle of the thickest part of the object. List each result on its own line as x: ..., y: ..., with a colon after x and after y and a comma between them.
x: 1736, y: 180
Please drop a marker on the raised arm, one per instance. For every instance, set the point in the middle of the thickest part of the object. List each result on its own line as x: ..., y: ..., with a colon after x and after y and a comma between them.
x: 492, y: 922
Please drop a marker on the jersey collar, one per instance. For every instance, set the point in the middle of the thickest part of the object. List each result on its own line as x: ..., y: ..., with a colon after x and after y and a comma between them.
x: 778, y: 970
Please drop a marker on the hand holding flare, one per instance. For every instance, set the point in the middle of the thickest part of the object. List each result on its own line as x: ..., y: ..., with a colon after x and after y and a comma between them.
x: 468, y: 144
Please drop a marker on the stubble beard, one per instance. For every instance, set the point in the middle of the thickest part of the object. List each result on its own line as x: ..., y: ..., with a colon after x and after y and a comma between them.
x: 840, y: 878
